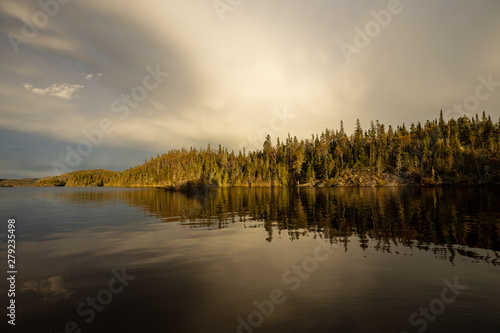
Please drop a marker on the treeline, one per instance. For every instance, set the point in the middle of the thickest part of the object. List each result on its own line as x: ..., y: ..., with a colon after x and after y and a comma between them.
x: 97, y: 177
x: 24, y: 182
x: 459, y: 152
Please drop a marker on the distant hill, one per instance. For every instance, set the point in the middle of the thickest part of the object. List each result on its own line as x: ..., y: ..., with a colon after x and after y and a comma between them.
x: 24, y: 182
x: 465, y: 152
x: 97, y: 177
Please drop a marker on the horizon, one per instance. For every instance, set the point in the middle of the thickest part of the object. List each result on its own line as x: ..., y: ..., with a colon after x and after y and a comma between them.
x: 136, y: 80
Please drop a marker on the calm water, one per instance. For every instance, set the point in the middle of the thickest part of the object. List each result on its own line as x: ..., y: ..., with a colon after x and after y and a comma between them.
x: 254, y: 260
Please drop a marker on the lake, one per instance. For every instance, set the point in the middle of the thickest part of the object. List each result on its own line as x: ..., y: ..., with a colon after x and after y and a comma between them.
x: 254, y: 260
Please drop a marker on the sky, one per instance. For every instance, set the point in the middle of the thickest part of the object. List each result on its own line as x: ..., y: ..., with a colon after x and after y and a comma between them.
x: 107, y: 84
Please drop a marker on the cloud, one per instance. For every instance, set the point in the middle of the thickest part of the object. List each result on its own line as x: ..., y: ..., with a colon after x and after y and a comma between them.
x: 228, y: 77
x: 62, y: 90
x: 92, y: 76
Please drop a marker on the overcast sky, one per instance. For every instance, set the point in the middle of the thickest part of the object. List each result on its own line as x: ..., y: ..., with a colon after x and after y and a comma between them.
x: 150, y: 76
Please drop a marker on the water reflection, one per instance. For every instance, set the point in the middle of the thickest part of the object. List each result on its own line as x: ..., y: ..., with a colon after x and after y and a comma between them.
x: 51, y: 288
x: 443, y: 221
x: 201, y: 260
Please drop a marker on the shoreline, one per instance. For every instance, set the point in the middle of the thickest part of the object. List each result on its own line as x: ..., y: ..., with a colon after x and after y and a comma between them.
x: 307, y: 186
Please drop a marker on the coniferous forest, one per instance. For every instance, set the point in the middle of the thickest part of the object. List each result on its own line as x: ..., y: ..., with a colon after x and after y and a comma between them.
x: 465, y: 151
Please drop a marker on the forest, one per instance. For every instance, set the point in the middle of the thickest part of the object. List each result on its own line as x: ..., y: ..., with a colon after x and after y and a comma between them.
x: 464, y: 151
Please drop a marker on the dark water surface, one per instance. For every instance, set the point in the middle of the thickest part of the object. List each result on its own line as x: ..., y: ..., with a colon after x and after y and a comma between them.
x: 253, y: 260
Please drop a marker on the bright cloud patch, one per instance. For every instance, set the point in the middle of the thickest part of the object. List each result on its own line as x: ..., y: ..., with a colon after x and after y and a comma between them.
x: 62, y: 90
x: 92, y: 76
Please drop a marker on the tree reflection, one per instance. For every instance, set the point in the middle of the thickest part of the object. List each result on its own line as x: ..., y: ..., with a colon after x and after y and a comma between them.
x: 430, y: 219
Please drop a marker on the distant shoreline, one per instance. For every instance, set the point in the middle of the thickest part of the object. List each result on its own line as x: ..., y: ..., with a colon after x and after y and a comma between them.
x: 319, y: 185
x: 352, y: 178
